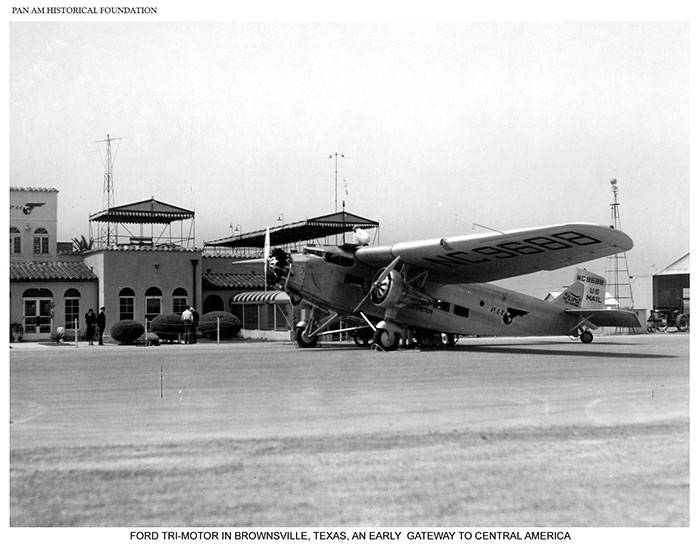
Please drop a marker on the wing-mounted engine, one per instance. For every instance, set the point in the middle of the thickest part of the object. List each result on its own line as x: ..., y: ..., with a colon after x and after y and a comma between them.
x: 394, y: 289
x: 388, y: 292
x: 277, y: 266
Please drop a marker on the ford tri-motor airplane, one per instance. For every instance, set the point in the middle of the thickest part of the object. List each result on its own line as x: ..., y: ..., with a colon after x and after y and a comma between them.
x: 435, y: 290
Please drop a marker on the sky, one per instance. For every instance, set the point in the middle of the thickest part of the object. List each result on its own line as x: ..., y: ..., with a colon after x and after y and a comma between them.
x: 444, y: 127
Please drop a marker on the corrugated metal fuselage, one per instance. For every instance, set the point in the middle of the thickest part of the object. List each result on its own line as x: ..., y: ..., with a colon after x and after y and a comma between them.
x: 466, y: 309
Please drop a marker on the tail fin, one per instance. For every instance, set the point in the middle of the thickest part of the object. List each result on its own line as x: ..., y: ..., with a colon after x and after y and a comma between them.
x: 587, y: 291
x: 572, y: 296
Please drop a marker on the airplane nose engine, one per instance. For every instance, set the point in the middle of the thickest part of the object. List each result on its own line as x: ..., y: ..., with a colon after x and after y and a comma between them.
x: 389, y: 291
x: 278, y: 266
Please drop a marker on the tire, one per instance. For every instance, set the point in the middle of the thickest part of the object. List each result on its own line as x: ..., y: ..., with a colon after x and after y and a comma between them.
x: 682, y: 323
x: 302, y: 340
x: 449, y: 339
x: 388, y: 341
x: 586, y: 337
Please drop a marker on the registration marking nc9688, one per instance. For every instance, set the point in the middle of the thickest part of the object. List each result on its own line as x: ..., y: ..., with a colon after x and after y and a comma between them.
x: 512, y: 249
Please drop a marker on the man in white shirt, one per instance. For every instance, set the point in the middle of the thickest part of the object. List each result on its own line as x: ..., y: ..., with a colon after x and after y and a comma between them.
x: 187, y: 320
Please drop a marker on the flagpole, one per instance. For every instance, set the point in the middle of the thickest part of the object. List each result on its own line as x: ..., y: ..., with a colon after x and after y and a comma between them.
x: 266, y: 253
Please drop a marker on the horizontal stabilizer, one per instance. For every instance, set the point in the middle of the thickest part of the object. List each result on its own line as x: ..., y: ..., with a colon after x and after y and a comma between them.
x: 606, y: 318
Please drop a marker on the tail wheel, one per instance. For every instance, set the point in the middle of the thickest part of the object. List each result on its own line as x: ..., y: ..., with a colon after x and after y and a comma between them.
x: 304, y: 341
x: 586, y: 337
x: 385, y: 339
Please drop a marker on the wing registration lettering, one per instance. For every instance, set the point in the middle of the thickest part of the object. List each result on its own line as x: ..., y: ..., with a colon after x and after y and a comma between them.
x: 492, y: 257
x: 457, y: 257
x: 513, y: 249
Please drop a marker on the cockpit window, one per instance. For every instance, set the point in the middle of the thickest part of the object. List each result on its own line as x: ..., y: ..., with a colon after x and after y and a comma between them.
x: 313, y: 252
x: 340, y: 260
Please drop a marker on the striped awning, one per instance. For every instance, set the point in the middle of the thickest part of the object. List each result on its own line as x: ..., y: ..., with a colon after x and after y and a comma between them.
x: 298, y: 232
x: 150, y: 211
x: 261, y: 297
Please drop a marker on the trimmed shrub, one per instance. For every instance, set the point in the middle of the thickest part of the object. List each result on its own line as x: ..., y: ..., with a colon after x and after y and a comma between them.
x: 16, y: 331
x: 168, y: 327
x: 229, y: 325
x: 126, y: 331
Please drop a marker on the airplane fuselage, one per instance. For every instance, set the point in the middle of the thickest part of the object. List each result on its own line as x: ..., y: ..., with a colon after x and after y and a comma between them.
x: 334, y: 280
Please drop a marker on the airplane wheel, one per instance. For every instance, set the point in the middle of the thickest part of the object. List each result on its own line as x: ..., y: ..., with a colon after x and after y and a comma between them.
x: 449, y: 339
x: 586, y: 337
x: 302, y: 340
x: 388, y: 341
x: 683, y: 322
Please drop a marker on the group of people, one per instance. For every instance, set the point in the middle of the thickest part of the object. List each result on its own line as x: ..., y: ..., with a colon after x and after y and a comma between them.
x: 190, y: 317
x: 95, y: 324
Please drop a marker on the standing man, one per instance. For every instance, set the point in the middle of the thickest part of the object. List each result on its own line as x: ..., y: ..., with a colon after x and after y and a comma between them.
x: 195, y: 323
x: 187, y: 320
x: 101, y: 324
x: 90, y: 323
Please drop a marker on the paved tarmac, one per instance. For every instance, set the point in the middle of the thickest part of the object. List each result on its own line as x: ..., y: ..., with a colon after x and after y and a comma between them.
x: 68, y: 396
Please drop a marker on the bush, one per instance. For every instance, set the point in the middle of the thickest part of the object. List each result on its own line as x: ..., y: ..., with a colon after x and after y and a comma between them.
x: 126, y: 331
x: 229, y: 325
x: 168, y: 327
x: 16, y: 331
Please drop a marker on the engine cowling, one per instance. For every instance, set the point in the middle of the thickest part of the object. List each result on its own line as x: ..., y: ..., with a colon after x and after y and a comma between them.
x: 389, y: 291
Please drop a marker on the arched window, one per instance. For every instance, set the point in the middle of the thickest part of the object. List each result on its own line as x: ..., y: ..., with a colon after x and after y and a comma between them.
x: 179, y: 300
x: 72, y: 308
x: 154, y: 302
x: 41, y: 241
x: 15, y: 241
x: 126, y: 303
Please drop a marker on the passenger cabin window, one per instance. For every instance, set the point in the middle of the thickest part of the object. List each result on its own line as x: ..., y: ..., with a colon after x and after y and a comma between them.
x: 461, y: 311
x: 354, y: 280
x: 444, y: 306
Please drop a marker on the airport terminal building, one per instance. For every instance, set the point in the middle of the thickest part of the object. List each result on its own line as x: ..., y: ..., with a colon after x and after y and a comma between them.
x: 141, y: 261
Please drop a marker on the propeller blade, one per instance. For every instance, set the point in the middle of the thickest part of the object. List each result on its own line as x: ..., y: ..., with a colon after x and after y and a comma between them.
x: 377, y: 282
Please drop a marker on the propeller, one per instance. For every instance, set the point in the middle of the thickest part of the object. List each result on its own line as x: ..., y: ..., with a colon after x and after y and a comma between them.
x: 377, y: 282
x: 277, y: 266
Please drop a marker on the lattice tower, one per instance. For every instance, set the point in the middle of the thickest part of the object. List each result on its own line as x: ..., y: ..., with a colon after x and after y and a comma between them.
x: 107, y: 230
x: 616, y: 270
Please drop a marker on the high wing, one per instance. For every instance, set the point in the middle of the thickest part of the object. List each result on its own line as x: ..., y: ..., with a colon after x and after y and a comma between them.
x: 606, y: 318
x: 489, y: 257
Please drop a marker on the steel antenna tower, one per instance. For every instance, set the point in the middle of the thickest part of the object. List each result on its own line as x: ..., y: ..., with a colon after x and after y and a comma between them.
x: 616, y: 270
x: 105, y: 231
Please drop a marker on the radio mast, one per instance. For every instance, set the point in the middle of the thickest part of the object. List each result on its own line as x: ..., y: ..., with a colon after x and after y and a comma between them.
x: 106, y: 233
x: 616, y: 270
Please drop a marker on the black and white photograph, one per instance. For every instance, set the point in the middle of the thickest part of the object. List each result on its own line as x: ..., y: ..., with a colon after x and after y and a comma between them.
x: 387, y: 275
